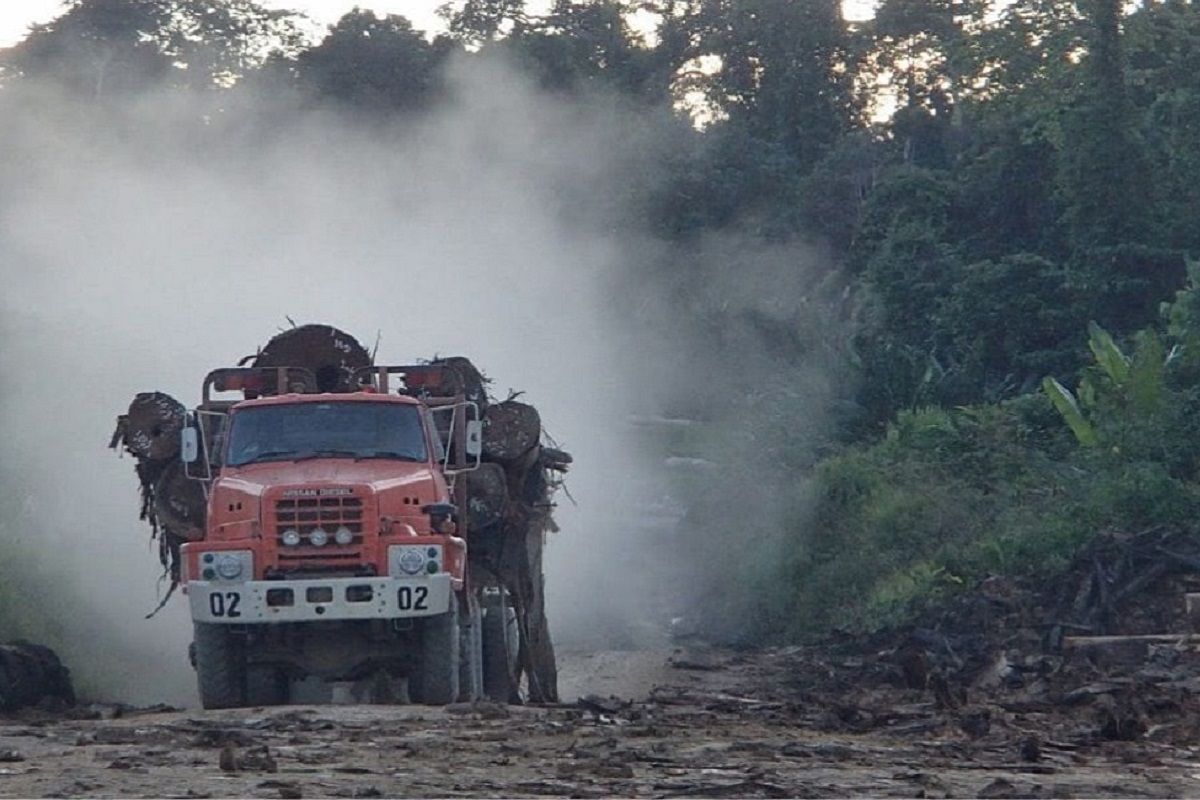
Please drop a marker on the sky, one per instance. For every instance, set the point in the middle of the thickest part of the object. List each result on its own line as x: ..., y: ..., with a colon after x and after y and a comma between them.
x: 17, y: 15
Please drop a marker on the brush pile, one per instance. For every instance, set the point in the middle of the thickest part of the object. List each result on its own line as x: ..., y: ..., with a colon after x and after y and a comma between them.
x: 508, y: 508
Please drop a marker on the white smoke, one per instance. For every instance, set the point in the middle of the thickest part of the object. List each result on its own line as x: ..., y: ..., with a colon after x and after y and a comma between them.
x: 141, y: 249
x: 143, y: 245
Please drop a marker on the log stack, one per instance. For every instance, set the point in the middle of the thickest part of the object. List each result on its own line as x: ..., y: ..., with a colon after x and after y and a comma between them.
x: 509, y: 514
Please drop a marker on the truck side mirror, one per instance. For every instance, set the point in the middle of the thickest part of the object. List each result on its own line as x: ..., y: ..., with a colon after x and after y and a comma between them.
x: 474, y: 443
x: 189, y: 445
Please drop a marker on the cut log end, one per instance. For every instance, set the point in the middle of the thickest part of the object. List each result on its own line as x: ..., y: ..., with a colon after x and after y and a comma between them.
x: 464, y: 378
x: 510, y: 430
x: 150, y: 429
x: 330, y: 354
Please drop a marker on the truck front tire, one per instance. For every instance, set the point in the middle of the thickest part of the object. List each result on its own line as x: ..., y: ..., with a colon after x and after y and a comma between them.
x: 435, y: 680
x: 220, y: 666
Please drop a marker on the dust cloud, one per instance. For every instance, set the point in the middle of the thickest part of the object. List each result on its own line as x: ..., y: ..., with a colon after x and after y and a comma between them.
x: 143, y: 245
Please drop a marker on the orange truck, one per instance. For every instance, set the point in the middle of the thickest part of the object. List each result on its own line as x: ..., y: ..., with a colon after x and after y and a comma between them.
x: 335, y: 543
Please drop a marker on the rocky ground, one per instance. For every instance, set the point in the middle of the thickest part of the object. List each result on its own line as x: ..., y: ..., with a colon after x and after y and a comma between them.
x: 700, y: 723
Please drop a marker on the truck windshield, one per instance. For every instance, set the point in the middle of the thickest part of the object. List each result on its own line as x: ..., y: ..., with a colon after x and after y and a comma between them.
x: 316, y: 430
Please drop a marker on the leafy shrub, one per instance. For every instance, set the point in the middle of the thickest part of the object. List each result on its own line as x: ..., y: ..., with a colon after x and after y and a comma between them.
x: 946, y: 498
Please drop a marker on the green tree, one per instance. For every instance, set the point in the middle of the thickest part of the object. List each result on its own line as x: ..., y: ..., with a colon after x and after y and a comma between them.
x: 1103, y: 165
x: 372, y: 62
x: 915, y: 60
x: 1162, y: 41
x: 478, y: 21
x: 103, y: 47
x: 590, y: 44
x: 783, y: 70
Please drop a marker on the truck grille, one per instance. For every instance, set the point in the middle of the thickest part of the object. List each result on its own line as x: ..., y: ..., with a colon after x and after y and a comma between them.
x: 305, y: 514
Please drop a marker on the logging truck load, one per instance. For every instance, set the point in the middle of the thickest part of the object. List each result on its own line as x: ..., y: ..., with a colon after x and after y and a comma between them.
x: 335, y: 520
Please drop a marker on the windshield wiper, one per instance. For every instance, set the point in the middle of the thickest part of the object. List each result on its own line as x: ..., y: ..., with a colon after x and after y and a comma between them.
x: 308, y: 455
x: 268, y: 455
x: 388, y: 454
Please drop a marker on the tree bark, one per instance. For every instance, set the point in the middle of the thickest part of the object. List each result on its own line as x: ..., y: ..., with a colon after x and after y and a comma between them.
x: 487, y: 495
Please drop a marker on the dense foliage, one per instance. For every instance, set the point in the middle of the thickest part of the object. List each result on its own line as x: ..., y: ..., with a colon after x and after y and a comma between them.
x: 984, y: 197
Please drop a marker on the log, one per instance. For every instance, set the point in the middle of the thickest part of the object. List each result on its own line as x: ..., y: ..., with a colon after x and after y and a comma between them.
x: 464, y: 378
x: 31, y: 674
x: 179, y: 503
x: 177, y: 510
x: 555, y: 459
x: 540, y: 663
x: 331, y: 355
x: 150, y: 428
x: 487, y: 492
x: 510, y: 430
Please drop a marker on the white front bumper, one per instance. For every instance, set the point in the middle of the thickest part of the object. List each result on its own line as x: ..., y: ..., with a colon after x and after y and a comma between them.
x: 376, y: 598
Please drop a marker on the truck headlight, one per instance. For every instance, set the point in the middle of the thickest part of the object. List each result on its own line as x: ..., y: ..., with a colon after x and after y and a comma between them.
x: 229, y: 566
x: 318, y: 537
x: 411, y: 562
x: 290, y: 537
x: 343, y: 536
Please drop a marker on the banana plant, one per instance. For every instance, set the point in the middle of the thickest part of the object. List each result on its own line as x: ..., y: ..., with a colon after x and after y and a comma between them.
x: 1067, y: 406
x: 1137, y: 385
x: 1108, y: 355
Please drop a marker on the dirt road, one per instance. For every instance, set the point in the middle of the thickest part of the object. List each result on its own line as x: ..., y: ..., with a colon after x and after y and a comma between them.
x: 660, y: 724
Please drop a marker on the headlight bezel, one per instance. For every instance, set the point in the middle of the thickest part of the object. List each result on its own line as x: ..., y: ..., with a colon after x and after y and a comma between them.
x: 415, y: 560
x: 226, y: 566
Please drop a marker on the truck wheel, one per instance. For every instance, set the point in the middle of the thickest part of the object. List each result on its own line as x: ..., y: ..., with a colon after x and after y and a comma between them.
x: 220, y: 666
x: 501, y: 642
x: 266, y: 686
x: 435, y: 682
x: 470, y: 668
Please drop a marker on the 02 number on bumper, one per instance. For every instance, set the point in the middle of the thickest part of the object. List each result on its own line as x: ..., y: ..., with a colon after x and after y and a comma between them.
x: 311, y: 600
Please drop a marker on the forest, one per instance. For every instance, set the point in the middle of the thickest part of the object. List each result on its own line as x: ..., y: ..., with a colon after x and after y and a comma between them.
x: 954, y: 265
